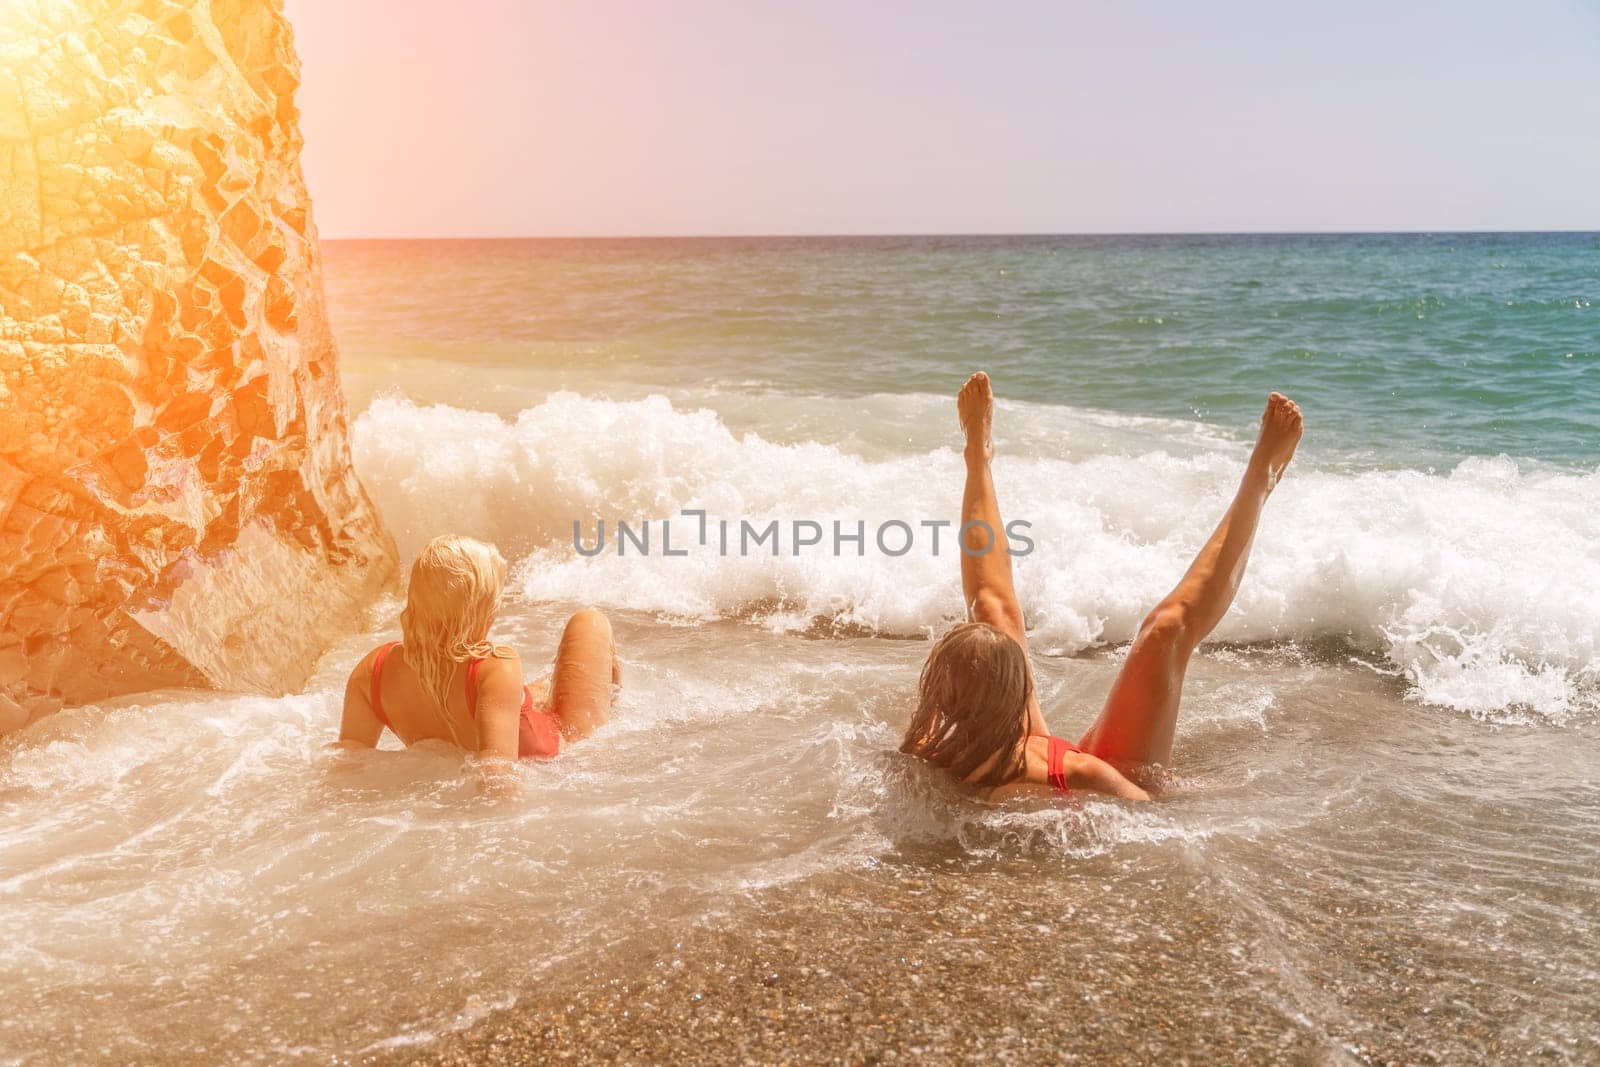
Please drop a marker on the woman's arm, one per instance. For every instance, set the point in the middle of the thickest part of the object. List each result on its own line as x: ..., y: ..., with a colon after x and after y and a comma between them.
x: 358, y: 725
x: 499, y: 706
x: 499, y: 715
x: 1096, y: 775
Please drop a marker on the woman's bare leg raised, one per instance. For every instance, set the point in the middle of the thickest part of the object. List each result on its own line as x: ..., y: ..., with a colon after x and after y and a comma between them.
x: 585, y: 675
x: 1136, y: 725
x: 986, y: 583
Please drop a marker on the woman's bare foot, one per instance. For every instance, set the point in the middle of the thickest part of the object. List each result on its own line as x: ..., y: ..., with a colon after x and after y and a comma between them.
x: 1281, y: 427
x: 975, y: 406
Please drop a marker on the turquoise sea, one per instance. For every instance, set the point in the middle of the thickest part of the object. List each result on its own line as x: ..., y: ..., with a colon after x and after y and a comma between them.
x: 1409, y: 347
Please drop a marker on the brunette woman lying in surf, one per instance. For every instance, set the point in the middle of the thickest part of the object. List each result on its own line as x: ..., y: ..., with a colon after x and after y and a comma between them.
x: 977, y: 714
x: 445, y: 681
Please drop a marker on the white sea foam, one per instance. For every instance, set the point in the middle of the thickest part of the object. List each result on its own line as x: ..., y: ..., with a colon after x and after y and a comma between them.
x: 1478, y: 583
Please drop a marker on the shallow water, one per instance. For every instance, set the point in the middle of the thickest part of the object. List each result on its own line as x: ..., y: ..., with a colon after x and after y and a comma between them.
x: 1384, y: 835
x: 190, y: 876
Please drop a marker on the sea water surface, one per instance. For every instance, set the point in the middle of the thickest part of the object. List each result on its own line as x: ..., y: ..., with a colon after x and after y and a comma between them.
x: 1387, y: 815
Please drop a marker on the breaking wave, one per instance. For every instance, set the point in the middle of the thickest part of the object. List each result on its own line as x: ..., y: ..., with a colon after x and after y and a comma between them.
x: 1476, y: 583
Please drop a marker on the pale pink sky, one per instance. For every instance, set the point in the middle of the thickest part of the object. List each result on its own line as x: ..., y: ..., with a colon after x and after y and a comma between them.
x: 620, y: 117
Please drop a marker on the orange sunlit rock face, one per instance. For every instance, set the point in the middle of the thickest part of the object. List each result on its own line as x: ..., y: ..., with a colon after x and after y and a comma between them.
x: 177, y: 504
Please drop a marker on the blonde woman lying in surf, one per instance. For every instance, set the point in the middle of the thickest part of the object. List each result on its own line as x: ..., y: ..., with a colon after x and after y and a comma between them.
x: 977, y: 714
x: 446, y: 681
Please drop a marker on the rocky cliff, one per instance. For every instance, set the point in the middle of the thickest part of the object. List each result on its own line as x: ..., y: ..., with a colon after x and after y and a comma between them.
x: 177, y: 504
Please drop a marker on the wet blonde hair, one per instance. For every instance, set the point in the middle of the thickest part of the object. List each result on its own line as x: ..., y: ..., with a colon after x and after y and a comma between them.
x: 455, y: 591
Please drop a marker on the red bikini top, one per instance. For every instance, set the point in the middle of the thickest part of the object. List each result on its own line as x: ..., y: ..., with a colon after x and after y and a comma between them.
x: 377, y: 674
x: 1055, y: 762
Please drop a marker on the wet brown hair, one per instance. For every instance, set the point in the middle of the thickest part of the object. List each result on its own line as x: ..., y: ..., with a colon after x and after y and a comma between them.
x: 972, y: 705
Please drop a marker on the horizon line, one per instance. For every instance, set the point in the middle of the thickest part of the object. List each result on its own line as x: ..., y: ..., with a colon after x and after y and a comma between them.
x: 1576, y: 231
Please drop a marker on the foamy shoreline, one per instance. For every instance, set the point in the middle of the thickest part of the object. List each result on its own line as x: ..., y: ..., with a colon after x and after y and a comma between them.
x: 1326, y: 839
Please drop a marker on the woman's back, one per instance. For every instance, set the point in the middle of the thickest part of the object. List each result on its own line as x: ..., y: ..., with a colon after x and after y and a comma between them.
x: 400, y: 702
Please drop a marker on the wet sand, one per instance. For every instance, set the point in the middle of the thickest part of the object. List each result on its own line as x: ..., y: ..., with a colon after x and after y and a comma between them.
x: 954, y: 964
x: 830, y: 975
